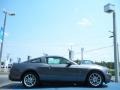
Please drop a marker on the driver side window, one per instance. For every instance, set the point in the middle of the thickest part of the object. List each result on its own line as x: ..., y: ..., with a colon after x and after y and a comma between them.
x: 56, y: 60
x: 53, y: 61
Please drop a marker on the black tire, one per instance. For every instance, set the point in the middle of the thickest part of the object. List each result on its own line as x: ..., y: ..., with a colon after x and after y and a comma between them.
x: 32, y: 81
x: 95, y: 79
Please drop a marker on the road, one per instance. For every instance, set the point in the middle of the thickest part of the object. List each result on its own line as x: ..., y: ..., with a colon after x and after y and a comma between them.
x: 4, y: 79
x: 6, y: 84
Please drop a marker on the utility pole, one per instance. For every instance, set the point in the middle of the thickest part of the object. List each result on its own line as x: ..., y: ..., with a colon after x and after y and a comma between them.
x: 82, y: 53
x: 28, y: 58
x: 118, y: 56
x: 109, y: 8
x: 71, y: 53
x: 19, y: 60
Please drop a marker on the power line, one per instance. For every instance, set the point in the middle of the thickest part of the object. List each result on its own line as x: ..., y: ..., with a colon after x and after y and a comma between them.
x: 97, y: 49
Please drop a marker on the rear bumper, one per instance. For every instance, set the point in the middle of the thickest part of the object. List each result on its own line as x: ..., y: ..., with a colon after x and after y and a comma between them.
x: 14, y: 75
x: 14, y: 78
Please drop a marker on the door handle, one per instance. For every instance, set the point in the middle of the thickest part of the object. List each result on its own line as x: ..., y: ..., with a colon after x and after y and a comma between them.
x: 49, y: 67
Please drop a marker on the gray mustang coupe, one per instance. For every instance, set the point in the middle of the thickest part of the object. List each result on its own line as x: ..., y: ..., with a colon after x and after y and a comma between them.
x: 55, y: 68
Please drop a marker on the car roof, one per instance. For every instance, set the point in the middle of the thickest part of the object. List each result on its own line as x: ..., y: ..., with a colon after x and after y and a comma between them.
x: 47, y: 57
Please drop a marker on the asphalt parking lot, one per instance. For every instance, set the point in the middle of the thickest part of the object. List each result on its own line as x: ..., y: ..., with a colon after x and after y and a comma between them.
x: 6, y: 84
x: 110, y: 86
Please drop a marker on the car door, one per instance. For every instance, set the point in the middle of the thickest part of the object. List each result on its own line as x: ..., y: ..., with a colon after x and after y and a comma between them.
x: 59, y: 71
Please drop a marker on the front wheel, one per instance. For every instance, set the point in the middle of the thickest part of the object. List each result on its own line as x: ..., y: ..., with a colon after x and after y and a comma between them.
x: 95, y: 79
x: 30, y: 80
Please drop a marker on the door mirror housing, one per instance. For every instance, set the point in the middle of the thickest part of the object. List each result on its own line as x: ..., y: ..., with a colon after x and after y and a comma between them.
x: 69, y: 64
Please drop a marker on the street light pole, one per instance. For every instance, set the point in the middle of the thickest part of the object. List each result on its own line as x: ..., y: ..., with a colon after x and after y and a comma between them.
x: 116, y: 64
x: 4, y: 25
x: 1, y: 48
x: 109, y: 8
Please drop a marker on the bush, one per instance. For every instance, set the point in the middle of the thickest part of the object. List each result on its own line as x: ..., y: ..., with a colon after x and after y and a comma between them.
x: 112, y: 72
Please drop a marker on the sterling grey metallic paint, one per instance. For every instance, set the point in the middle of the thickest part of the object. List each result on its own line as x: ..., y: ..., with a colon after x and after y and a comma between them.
x: 58, y: 72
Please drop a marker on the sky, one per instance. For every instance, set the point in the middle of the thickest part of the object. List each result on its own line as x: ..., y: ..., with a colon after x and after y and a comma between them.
x: 54, y: 26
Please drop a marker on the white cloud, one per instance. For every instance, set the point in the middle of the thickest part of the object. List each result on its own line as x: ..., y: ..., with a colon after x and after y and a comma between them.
x: 84, y: 22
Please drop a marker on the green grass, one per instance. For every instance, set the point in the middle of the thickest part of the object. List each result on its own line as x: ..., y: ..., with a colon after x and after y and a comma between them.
x: 112, y: 71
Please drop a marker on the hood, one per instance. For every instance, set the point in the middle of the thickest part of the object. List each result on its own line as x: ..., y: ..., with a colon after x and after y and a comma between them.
x: 92, y: 66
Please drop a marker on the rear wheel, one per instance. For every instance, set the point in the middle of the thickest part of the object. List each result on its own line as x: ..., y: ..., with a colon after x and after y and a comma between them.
x: 95, y: 79
x: 30, y: 80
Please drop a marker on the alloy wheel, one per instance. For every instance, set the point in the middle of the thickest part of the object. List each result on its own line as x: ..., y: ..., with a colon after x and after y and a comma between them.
x: 29, y: 80
x: 95, y: 79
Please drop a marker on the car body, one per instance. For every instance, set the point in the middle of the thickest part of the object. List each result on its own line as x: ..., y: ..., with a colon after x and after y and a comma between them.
x: 56, y: 68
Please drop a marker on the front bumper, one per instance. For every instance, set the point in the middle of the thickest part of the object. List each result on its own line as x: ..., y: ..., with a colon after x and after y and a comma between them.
x: 108, y: 78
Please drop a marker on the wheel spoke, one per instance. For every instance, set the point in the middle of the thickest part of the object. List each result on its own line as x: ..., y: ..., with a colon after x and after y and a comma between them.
x: 29, y: 80
x: 95, y: 79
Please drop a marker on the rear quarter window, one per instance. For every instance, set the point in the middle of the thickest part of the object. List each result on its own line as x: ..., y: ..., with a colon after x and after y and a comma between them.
x: 38, y: 60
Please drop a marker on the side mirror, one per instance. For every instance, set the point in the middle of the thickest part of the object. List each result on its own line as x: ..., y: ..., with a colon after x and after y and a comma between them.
x: 69, y: 64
